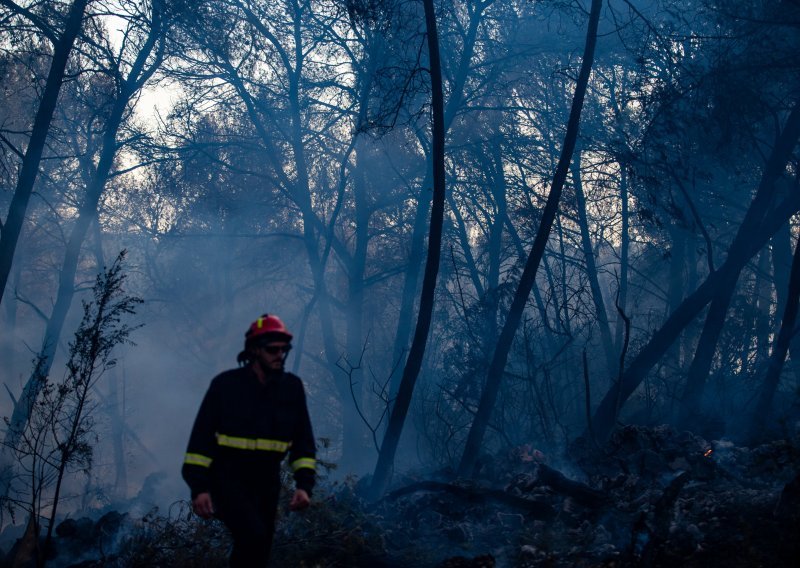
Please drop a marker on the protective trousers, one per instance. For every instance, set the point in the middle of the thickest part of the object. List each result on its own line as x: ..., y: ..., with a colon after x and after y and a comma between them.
x: 251, y: 522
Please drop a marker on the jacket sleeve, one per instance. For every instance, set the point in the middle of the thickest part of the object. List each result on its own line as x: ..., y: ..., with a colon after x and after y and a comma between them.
x: 202, y: 446
x: 302, y: 456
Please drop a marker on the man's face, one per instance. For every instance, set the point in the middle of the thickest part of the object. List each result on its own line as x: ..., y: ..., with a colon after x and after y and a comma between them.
x: 272, y: 355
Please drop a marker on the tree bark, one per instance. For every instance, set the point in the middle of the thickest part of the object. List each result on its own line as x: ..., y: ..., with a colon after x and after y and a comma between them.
x: 33, y: 154
x: 706, y: 347
x: 612, y: 365
x: 357, y: 265
x: 624, y: 253
x: 391, y: 439
x: 417, y: 252
x: 781, y: 268
x: 497, y: 366
x: 779, y: 350
x: 762, y: 322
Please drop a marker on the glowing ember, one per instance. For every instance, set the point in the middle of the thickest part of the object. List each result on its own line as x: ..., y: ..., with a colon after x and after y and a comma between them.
x: 708, y: 453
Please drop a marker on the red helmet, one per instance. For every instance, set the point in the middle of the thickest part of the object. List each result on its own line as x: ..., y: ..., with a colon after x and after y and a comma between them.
x: 269, y: 328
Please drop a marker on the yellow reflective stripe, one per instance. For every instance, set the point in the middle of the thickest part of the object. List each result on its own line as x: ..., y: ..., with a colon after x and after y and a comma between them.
x: 253, y: 443
x: 197, y: 459
x: 260, y: 323
x: 310, y: 463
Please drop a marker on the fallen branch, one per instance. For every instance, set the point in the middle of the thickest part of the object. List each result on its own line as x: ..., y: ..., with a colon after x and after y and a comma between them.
x: 537, y: 509
x: 580, y: 492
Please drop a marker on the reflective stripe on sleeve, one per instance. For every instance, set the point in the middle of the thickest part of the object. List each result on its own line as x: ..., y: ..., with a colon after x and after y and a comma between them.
x: 309, y: 463
x: 253, y: 443
x: 197, y: 459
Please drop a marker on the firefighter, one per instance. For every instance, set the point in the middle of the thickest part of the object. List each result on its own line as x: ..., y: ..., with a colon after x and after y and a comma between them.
x: 250, y: 419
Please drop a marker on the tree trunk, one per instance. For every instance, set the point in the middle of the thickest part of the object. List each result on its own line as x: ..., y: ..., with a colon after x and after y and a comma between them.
x: 495, y: 244
x: 497, y: 366
x: 551, y: 343
x: 689, y: 336
x: 33, y: 154
x: 705, y: 350
x: 27, y: 553
x: 781, y: 267
x: 417, y: 252
x: 624, y: 252
x: 563, y: 279
x: 779, y: 350
x: 8, y: 342
x: 612, y: 365
x: 116, y: 415
x: 391, y: 439
x: 754, y: 232
x: 763, y: 324
x: 356, y: 339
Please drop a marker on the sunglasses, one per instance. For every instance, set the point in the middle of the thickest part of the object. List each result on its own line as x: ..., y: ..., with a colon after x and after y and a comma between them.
x: 275, y: 349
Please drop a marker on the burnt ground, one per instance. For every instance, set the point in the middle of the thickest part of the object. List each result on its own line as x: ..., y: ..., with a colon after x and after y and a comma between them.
x: 648, y: 497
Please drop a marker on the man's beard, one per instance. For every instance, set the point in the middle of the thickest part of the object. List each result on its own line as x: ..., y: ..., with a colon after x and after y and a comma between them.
x: 269, y: 371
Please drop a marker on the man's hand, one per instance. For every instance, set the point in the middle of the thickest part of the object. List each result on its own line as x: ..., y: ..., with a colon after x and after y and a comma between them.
x: 202, y: 505
x: 300, y: 500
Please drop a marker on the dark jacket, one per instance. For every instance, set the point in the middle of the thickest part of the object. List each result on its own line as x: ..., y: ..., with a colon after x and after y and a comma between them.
x: 243, y: 431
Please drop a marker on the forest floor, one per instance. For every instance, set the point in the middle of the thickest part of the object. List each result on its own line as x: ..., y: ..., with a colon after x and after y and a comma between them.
x: 649, y: 497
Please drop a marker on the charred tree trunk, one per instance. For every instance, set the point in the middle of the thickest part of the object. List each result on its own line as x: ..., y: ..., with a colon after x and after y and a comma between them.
x: 676, y: 288
x: 781, y: 268
x: 33, y: 154
x: 779, y: 350
x: 495, y: 244
x: 357, y: 263
x: 612, y: 365
x: 762, y: 322
x: 408, y: 298
x: 391, y: 439
x: 8, y: 341
x: 537, y: 295
x: 116, y: 415
x: 417, y: 253
x: 624, y: 252
x: 28, y: 552
x: 759, y: 225
x: 691, y: 409
x: 497, y: 366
